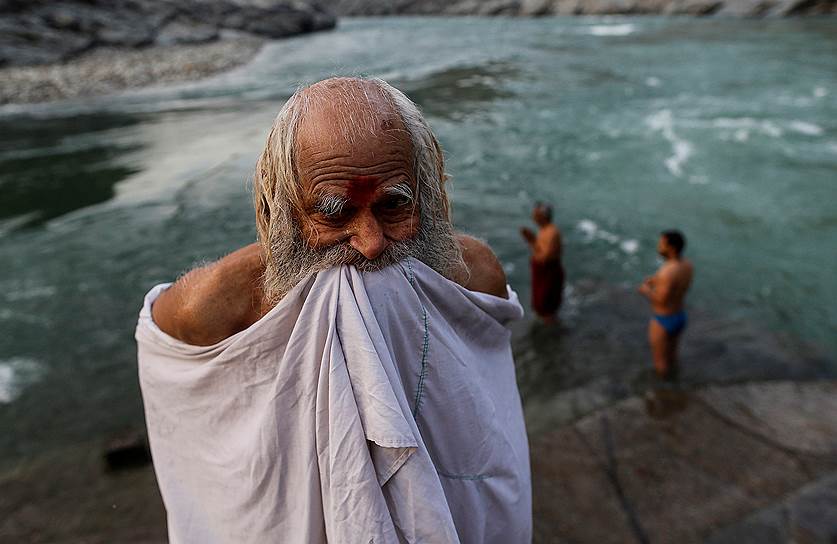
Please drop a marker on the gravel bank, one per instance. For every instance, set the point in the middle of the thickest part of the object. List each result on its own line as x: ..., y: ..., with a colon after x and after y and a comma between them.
x: 107, y: 70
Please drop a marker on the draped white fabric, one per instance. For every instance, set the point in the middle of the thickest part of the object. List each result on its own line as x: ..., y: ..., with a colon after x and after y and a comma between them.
x: 377, y: 407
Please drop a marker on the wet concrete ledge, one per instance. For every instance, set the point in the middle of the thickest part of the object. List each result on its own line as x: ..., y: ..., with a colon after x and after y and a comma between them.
x: 743, y: 463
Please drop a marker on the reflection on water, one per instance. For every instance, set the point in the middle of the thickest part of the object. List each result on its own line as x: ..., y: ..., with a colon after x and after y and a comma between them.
x: 455, y: 92
x: 51, y: 167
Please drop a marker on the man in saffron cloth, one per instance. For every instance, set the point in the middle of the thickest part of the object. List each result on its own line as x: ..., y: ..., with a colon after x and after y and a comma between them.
x: 348, y: 378
x: 545, y: 263
x: 666, y: 291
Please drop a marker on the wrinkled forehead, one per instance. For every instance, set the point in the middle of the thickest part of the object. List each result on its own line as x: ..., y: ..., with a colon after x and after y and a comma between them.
x: 348, y: 118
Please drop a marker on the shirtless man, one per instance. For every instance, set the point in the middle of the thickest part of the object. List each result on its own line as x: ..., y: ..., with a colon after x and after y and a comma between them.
x: 546, y: 267
x: 666, y: 290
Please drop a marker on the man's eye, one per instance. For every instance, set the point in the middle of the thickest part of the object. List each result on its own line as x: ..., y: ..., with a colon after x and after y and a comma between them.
x: 338, y: 216
x: 395, y: 203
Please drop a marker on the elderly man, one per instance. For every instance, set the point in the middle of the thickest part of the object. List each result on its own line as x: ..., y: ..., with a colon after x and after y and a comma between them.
x: 348, y: 378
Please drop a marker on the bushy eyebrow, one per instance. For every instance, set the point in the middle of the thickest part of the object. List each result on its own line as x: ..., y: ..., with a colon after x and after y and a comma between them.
x: 331, y: 204
x: 400, y: 189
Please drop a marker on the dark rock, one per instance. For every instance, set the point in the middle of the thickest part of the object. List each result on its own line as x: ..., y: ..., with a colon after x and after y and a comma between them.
x: 24, y: 41
x: 741, y: 8
x: 39, y: 31
x: 177, y: 32
x: 126, y: 452
x: 535, y: 8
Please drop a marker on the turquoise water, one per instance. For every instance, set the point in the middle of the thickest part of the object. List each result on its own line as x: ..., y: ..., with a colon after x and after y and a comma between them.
x: 725, y: 129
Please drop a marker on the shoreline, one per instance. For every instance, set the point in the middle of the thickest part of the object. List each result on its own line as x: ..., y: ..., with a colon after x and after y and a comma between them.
x: 106, y: 71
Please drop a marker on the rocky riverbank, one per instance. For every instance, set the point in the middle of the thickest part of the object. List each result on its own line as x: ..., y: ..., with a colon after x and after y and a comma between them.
x: 70, y: 48
x: 108, y: 70
x: 750, y: 463
x: 43, y: 31
x: 733, y: 8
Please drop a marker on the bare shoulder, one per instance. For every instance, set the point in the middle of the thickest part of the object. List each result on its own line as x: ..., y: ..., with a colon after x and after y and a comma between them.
x: 486, y: 274
x: 213, y: 302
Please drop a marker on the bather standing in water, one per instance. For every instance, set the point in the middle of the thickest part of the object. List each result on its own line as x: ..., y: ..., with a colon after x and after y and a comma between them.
x: 547, y: 270
x: 666, y: 290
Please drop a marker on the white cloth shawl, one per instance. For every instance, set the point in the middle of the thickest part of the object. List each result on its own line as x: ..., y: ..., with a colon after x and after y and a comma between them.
x: 378, y: 407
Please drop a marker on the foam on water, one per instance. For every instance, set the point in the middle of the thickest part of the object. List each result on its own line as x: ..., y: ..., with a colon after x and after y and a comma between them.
x: 629, y: 246
x: 612, y: 30
x: 663, y: 122
x: 748, y: 124
x: 809, y: 129
x: 592, y: 231
x: 15, y: 374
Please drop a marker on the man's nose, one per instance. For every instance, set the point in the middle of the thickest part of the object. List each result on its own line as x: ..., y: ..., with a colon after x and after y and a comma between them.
x: 368, y: 236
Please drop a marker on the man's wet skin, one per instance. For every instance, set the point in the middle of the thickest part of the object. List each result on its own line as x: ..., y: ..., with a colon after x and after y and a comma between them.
x: 359, y: 190
x: 666, y: 291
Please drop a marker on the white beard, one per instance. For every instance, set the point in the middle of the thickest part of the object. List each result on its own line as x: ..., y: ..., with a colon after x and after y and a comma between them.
x: 291, y: 259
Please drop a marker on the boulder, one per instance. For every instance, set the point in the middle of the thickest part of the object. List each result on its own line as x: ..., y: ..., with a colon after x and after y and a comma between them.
x: 535, y: 8
x: 185, y: 31
x: 39, y: 32
x: 693, y: 7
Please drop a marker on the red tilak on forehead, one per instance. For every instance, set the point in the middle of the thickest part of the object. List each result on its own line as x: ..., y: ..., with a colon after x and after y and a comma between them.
x: 361, y: 188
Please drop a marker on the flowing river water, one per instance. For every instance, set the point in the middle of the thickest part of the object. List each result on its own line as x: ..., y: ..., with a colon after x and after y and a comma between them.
x: 725, y: 129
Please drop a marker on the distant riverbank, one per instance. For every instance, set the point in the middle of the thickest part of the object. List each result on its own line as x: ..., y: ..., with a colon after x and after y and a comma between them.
x: 71, y: 48
x: 108, y: 70
x: 724, y: 8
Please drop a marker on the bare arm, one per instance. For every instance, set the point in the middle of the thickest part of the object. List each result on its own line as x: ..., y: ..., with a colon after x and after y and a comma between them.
x: 657, y: 288
x: 529, y: 236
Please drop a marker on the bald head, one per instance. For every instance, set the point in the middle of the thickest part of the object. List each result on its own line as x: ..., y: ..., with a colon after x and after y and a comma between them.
x: 351, y: 174
x: 344, y: 109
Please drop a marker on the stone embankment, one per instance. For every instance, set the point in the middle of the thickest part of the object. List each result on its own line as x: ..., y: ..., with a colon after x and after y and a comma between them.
x: 741, y: 464
x: 735, y: 8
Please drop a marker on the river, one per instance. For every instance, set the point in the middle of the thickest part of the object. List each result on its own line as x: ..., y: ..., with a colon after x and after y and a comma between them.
x: 726, y: 129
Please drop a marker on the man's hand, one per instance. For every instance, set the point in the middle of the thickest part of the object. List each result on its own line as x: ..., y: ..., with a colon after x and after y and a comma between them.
x: 528, y: 235
x: 647, y: 287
